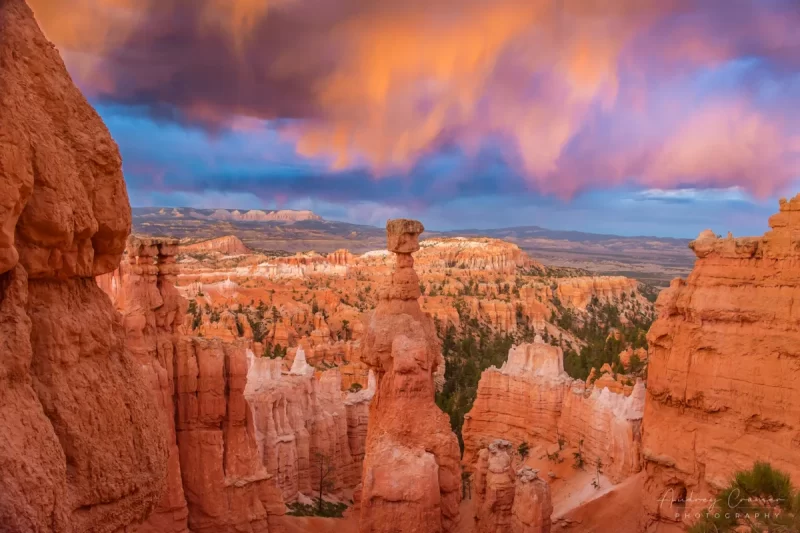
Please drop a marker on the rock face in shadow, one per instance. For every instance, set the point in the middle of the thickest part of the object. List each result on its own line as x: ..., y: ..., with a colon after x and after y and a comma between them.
x: 722, y: 378
x: 143, y: 290
x: 411, y: 480
x: 532, y: 399
x: 81, y: 446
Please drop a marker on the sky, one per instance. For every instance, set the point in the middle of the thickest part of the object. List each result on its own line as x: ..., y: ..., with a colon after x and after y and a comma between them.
x: 631, y: 117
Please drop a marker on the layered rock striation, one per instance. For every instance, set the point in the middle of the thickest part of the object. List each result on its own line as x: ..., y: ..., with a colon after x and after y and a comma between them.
x: 532, y: 399
x: 473, y: 254
x: 722, y: 378
x: 82, y: 448
x: 578, y: 292
x: 411, y: 479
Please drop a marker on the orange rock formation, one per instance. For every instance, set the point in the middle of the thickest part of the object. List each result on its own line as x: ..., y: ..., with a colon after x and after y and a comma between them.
x: 517, y: 502
x: 216, y: 478
x: 578, y: 292
x: 532, y: 399
x: 725, y: 353
x: 297, y: 417
x: 473, y: 254
x: 81, y: 448
x: 142, y: 288
x: 411, y: 479
x: 227, y: 486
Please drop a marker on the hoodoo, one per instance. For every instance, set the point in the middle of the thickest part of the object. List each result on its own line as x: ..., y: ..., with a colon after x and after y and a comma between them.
x: 722, y: 385
x: 81, y: 447
x: 411, y: 479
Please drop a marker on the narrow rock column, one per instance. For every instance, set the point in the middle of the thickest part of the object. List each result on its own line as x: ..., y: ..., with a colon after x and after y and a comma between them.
x: 532, y: 503
x: 494, y: 487
x: 411, y: 479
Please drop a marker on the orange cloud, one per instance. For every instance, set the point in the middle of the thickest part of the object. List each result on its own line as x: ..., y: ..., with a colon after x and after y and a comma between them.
x: 384, y: 83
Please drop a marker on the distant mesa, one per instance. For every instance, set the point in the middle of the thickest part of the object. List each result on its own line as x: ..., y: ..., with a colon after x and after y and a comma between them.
x: 255, y: 215
x: 229, y: 244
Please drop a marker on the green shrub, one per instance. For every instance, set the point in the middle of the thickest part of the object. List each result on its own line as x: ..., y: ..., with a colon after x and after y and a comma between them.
x: 760, y: 500
x: 326, y: 509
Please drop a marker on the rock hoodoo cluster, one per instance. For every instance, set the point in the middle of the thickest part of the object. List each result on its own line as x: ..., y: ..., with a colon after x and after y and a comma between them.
x: 243, y: 432
x: 215, y: 468
x: 722, y: 379
x: 299, y: 418
x: 81, y: 447
x: 532, y: 399
x: 477, y: 253
x: 411, y: 479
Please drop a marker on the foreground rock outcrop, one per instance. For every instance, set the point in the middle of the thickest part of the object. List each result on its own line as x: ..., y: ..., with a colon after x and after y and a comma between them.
x: 509, y: 497
x: 411, y: 480
x: 725, y: 354
x: 532, y: 399
x: 82, y: 446
x: 227, y: 486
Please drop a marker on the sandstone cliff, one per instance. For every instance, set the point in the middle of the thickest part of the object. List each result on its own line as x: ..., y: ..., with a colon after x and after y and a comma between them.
x: 81, y: 448
x: 142, y: 288
x: 478, y: 253
x: 578, y: 292
x: 411, y: 479
x: 532, y: 399
x: 722, y: 385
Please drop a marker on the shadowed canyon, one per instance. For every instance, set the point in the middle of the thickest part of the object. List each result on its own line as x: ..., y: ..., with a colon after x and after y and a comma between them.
x: 169, y: 370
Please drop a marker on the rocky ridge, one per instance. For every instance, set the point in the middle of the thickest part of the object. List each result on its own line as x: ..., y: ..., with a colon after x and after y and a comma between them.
x: 722, y: 387
x: 531, y: 399
x: 228, y: 245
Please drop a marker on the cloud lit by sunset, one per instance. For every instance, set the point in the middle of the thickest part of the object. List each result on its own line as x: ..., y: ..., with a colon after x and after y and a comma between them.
x: 440, y: 99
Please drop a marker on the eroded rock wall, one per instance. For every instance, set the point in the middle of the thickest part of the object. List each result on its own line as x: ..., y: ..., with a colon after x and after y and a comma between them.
x: 299, y: 418
x: 227, y: 486
x: 143, y: 290
x: 216, y: 478
x: 724, y: 360
x: 578, y: 292
x: 81, y: 448
x: 532, y: 399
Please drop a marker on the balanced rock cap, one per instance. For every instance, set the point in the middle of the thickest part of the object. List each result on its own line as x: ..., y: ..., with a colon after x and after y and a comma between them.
x: 402, y: 235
